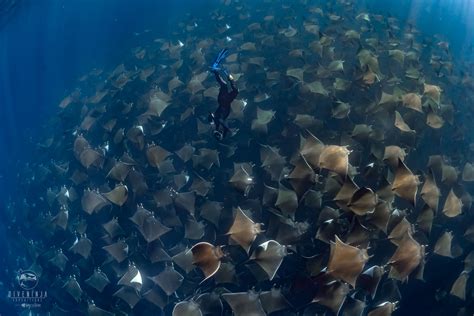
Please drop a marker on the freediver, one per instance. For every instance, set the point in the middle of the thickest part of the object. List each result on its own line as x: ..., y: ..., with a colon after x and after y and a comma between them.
x: 225, y: 97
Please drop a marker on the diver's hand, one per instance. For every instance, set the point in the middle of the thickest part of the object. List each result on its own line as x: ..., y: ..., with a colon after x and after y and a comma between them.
x: 210, y: 118
x: 228, y: 75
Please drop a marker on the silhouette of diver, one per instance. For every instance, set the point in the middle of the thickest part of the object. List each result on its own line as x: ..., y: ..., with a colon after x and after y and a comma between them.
x: 224, y: 99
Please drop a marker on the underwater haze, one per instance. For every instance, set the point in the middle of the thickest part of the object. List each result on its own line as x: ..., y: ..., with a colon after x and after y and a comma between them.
x: 232, y: 157
x: 47, y: 46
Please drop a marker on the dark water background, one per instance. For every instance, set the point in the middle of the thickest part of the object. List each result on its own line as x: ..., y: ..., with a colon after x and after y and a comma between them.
x: 46, y: 45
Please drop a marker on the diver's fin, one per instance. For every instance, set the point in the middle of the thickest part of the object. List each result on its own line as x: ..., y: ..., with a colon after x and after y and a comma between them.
x: 210, y: 118
x: 220, y: 57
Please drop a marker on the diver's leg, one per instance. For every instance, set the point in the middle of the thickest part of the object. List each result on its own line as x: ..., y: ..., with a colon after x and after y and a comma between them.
x: 232, y: 84
x: 219, y: 80
x: 234, y: 90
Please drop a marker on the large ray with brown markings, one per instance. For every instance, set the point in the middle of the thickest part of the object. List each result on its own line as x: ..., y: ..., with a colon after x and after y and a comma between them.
x: 269, y: 256
x: 117, y: 196
x: 405, y: 184
x: 335, y: 158
x: 207, y: 257
x: 346, y: 262
x: 243, y: 230
x: 453, y: 205
x: 244, y: 303
x: 430, y: 192
x: 407, y: 256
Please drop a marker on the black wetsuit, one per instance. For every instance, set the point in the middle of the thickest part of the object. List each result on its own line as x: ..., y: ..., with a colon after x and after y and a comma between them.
x: 224, y: 99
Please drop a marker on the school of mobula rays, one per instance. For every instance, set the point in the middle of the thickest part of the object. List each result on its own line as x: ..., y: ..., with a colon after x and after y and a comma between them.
x: 346, y: 176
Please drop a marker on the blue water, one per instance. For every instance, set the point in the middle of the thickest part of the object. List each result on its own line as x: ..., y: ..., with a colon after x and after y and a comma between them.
x: 47, y: 45
x: 44, y: 48
x: 451, y: 19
